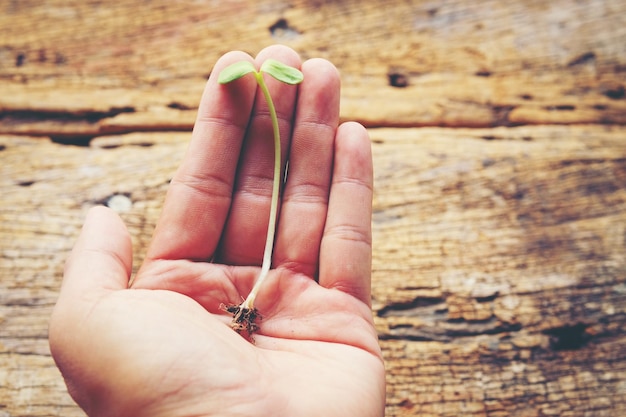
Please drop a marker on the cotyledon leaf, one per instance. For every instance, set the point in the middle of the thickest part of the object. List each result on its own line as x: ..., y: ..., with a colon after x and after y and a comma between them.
x: 235, y: 71
x: 282, y: 72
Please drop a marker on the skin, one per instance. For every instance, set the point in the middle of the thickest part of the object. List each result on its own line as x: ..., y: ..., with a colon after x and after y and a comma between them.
x: 160, y: 345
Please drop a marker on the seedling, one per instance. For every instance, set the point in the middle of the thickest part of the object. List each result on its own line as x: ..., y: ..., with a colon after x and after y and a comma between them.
x: 245, y: 314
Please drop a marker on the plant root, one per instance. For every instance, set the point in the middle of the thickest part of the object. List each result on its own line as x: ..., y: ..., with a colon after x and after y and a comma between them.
x: 244, y: 319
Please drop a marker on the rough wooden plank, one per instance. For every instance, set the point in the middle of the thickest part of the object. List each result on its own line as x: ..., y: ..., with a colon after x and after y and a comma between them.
x: 499, y: 276
x: 499, y: 271
x: 46, y: 189
x: 454, y: 63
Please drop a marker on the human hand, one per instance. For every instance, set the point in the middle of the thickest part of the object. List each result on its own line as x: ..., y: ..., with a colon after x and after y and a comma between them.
x: 161, y: 346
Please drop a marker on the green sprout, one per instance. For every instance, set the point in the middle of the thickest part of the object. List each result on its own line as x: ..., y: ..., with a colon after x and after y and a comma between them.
x: 245, y: 314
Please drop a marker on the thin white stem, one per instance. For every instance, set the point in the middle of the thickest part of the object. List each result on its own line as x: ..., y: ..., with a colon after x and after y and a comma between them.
x: 271, y: 227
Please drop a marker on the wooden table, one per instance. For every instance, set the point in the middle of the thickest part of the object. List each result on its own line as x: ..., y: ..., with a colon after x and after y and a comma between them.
x: 499, y: 138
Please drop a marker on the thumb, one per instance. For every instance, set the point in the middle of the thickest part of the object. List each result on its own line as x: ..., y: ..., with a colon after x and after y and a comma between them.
x: 99, y: 264
x: 101, y: 260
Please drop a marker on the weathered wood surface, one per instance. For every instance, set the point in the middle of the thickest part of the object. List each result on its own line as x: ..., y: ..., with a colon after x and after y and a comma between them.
x: 500, y: 157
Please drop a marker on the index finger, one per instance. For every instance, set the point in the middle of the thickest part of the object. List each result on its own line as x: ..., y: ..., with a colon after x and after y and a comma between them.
x: 199, y: 196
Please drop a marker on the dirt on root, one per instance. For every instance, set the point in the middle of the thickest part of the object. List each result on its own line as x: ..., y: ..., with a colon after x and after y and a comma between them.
x: 244, y: 319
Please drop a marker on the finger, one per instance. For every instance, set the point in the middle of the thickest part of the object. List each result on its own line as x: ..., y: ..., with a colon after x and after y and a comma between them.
x: 99, y: 264
x: 244, y: 236
x: 101, y: 260
x: 199, y: 196
x: 305, y: 199
x: 346, y: 251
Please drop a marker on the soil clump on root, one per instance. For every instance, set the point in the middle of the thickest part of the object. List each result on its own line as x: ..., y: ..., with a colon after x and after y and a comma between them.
x: 244, y: 319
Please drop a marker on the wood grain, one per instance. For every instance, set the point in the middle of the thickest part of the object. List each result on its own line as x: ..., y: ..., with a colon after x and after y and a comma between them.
x: 499, y: 274
x: 499, y: 269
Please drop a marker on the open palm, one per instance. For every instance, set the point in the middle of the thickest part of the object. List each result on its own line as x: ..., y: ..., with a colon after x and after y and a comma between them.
x: 161, y: 346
